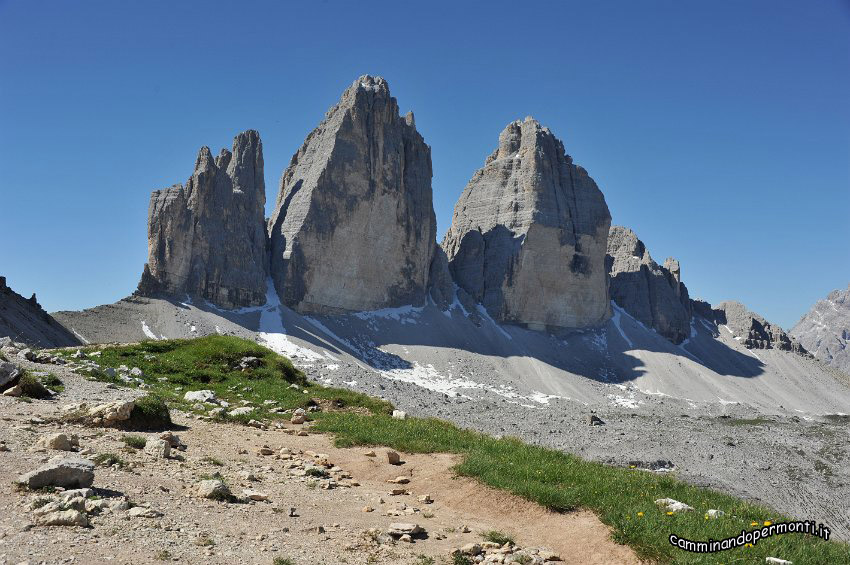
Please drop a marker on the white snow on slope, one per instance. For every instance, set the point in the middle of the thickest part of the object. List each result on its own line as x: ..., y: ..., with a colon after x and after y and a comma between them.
x: 148, y: 331
x: 272, y: 332
x: 616, y: 319
x: 80, y: 336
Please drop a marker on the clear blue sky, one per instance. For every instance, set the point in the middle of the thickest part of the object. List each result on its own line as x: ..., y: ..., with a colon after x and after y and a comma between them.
x: 718, y: 131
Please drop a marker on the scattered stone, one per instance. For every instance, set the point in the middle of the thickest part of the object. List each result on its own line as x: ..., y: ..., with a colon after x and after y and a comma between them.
x: 63, y: 518
x: 213, y: 489
x: 368, y: 509
x: 112, y: 412
x: 714, y: 514
x: 674, y: 506
x: 471, y: 549
x: 370, y: 453
x: 399, y: 415
x: 143, y: 512
x: 8, y: 373
x: 158, y: 448
x: 173, y: 440
x: 61, y: 472
x: 398, y: 529
x: 205, y: 396
x: 777, y: 561
x: 425, y: 499
x: 59, y: 442
x: 255, y: 495
x: 242, y: 411
x: 594, y: 420
x: 399, y: 481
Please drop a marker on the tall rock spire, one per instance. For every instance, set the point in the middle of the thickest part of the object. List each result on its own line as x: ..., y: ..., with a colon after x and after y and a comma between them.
x: 207, y: 239
x: 354, y: 227
x: 529, y: 233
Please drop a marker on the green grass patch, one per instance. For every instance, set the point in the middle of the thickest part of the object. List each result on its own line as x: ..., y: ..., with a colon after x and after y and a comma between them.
x: 136, y: 442
x: 212, y: 363
x: 212, y: 461
x: 497, y: 537
x: 283, y: 561
x: 53, y: 383
x: 31, y: 387
x: 149, y: 414
x: 623, y: 499
x: 108, y: 460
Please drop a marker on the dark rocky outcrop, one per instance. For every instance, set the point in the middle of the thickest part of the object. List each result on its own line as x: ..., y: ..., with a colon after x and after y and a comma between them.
x: 825, y: 330
x: 529, y: 232
x: 652, y: 294
x: 208, y: 239
x: 354, y: 225
x: 24, y: 320
x: 753, y: 331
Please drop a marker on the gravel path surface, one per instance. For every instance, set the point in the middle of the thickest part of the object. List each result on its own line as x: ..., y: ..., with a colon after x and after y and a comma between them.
x: 327, y: 526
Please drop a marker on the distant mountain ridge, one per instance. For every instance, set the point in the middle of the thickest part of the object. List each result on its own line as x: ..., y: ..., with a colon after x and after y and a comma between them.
x: 825, y: 329
x: 24, y: 320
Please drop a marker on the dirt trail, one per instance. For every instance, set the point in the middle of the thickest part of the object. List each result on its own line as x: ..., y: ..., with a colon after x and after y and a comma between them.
x: 328, y: 527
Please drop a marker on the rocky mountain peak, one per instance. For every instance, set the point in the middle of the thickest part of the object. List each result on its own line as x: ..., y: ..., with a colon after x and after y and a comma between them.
x: 529, y: 232
x: 208, y: 239
x: 752, y: 330
x: 825, y: 329
x: 354, y: 226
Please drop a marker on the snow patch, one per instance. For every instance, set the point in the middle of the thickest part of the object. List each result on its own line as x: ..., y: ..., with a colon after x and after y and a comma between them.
x: 273, y: 334
x: 616, y: 319
x: 148, y: 331
x: 426, y: 376
x: 404, y: 314
x: 80, y: 336
x: 486, y: 316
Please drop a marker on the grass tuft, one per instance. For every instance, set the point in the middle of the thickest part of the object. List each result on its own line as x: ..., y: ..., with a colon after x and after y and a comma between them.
x: 498, y: 537
x: 136, y: 442
x: 149, y: 414
x: 31, y: 387
x: 108, y: 460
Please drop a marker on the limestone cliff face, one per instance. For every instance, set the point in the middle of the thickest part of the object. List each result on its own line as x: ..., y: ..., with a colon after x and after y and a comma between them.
x: 354, y: 225
x: 528, y: 235
x: 208, y: 239
x: 652, y: 294
x: 825, y: 330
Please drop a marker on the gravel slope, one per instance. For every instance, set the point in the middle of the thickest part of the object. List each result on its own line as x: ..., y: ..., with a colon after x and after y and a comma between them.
x: 680, y: 404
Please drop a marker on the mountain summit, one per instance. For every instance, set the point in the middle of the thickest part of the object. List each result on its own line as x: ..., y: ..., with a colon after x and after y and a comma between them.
x: 528, y: 235
x: 354, y: 226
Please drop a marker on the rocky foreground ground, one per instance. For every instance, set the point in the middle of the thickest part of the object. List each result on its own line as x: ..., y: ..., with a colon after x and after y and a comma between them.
x: 293, y: 496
